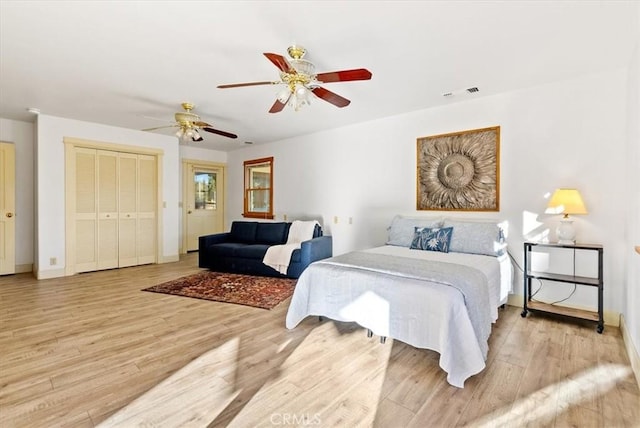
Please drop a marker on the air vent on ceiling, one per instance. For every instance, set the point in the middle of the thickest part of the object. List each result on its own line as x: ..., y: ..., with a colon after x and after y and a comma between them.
x: 470, y: 90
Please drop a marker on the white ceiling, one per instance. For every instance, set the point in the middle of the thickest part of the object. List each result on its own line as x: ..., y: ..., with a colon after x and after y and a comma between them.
x: 131, y: 63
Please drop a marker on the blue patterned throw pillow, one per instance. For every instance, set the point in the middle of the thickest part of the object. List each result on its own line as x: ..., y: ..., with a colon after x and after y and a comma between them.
x: 432, y: 239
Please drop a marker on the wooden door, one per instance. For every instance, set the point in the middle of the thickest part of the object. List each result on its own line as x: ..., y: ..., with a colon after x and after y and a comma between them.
x: 7, y: 209
x: 205, y: 207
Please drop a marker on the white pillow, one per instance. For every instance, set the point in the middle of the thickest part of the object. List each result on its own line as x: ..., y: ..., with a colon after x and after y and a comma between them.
x: 403, y: 228
x: 476, y: 237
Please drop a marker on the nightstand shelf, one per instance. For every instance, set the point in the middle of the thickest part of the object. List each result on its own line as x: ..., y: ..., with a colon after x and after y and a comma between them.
x: 529, y: 275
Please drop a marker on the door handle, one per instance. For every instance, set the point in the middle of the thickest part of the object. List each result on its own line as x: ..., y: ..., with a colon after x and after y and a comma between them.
x: 189, y: 212
x: 9, y: 215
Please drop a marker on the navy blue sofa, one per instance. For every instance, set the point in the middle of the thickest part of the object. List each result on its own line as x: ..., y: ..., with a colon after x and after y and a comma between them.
x: 242, y: 249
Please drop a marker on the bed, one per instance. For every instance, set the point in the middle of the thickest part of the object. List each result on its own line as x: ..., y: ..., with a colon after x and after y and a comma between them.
x: 445, y: 301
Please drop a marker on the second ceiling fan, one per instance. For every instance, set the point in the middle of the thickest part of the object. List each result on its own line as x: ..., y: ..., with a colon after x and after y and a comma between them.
x: 300, y: 79
x: 189, y: 124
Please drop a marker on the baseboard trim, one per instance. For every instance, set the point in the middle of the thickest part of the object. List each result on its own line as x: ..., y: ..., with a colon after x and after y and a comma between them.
x: 632, y: 352
x: 170, y: 259
x: 26, y: 268
x: 610, y: 318
x: 49, y: 274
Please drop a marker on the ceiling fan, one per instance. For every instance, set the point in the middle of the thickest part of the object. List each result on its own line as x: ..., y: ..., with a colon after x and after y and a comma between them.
x: 300, y: 79
x: 189, y: 124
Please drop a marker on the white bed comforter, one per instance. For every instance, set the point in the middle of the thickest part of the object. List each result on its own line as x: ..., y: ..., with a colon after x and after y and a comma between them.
x: 423, y: 313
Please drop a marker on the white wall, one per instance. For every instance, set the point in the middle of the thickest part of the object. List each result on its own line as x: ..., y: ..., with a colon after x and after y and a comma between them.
x: 570, y: 133
x: 50, y: 183
x: 190, y: 152
x: 631, y: 297
x: 51, y: 130
x: 21, y: 134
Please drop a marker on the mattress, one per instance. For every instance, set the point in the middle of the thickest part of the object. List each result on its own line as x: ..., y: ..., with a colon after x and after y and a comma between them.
x: 420, y: 312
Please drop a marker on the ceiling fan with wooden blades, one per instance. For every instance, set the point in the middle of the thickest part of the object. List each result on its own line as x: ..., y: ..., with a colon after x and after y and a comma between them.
x: 189, y: 124
x: 300, y: 79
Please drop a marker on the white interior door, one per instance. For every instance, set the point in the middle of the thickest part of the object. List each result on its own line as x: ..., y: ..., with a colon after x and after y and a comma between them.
x: 7, y: 209
x: 205, y: 199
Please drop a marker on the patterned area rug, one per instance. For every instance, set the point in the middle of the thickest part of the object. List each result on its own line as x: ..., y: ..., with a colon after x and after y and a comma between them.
x: 257, y: 291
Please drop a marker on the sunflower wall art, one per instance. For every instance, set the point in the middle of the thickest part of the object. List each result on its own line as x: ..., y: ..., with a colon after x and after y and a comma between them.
x: 459, y: 171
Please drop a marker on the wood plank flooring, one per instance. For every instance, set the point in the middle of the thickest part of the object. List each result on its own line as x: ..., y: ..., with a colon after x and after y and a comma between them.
x: 95, y: 350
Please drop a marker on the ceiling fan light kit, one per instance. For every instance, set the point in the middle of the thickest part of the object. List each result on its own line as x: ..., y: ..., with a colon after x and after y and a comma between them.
x: 300, y: 78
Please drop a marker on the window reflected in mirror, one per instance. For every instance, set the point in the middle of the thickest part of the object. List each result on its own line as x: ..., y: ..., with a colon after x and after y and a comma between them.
x: 258, y: 188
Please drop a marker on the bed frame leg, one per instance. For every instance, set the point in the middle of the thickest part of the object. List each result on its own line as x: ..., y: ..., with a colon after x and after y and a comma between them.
x: 383, y: 339
x: 369, y: 333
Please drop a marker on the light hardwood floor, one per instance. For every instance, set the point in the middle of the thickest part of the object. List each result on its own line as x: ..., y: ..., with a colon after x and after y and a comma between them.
x: 93, y: 349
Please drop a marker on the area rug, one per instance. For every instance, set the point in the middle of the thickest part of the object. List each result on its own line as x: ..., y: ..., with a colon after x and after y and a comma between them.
x: 257, y: 291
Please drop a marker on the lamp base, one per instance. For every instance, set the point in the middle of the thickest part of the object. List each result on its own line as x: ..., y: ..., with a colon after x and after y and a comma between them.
x: 566, y: 242
x: 566, y: 232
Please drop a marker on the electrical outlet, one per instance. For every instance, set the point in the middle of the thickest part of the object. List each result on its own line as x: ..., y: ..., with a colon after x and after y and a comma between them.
x: 335, y: 219
x: 53, y: 261
x: 284, y: 217
x: 350, y: 220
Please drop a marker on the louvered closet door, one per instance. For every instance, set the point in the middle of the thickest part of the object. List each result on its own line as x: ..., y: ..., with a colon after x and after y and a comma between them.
x: 86, y: 214
x: 107, y: 209
x: 115, y: 209
x: 128, y: 210
x: 147, y: 209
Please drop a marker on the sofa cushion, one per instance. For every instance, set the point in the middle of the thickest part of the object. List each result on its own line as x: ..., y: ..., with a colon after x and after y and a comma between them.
x: 272, y: 233
x: 295, y: 256
x: 243, y: 231
x: 255, y: 251
x: 227, y: 249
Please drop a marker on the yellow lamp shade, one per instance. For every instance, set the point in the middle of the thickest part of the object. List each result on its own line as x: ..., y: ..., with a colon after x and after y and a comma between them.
x: 566, y: 201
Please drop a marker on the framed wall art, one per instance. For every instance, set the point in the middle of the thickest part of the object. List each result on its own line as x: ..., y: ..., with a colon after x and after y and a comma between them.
x: 459, y: 171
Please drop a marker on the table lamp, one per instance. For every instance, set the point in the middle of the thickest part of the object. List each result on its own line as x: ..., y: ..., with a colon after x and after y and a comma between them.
x: 566, y: 201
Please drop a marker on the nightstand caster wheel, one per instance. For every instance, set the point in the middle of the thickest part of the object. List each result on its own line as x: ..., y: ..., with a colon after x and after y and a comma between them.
x: 600, y: 328
x: 523, y: 314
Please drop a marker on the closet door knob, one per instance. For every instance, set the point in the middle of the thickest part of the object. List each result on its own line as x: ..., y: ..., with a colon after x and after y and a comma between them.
x: 9, y: 215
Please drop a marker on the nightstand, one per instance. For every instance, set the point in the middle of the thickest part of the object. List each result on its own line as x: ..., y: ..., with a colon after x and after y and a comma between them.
x: 532, y: 305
